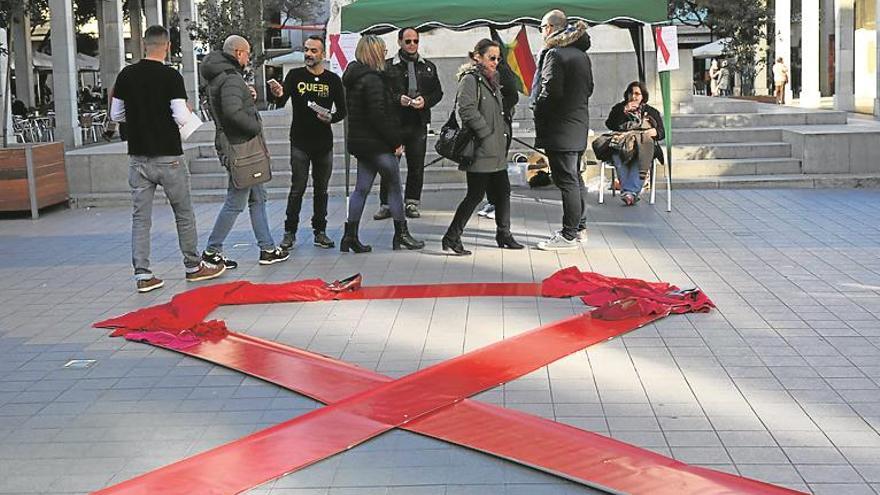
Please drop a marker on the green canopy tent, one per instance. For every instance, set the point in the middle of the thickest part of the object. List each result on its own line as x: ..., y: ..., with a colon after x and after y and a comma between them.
x: 382, y: 16
x: 385, y: 15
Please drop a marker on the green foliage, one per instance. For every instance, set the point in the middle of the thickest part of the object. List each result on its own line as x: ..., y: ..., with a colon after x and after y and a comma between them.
x: 742, y: 21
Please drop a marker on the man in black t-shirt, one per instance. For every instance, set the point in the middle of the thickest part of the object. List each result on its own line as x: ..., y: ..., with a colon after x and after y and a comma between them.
x: 313, y: 92
x: 150, y: 97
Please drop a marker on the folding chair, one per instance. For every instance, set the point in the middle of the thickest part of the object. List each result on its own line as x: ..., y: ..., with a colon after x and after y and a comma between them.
x: 653, y: 179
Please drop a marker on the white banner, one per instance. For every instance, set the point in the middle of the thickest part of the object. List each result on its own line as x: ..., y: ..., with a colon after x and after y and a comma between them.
x: 341, y: 48
x: 666, y: 39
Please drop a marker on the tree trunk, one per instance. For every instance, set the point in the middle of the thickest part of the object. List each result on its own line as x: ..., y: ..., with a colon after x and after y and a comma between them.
x: 7, y: 84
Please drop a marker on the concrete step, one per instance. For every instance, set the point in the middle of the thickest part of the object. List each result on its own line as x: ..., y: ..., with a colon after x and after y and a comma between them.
x: 778, y: 181
x: 281, y: 178
x: 743, y: 166
x: 730, y: 150
x: 708, y: 104
x: 739, y: 120
x: 688, y: 136
x: 282, y: 147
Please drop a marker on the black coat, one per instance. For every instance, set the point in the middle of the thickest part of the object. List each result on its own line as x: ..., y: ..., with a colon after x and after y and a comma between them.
x: 617, y: 119
x: 427, y: 82
x: 562, y: 112
x: 373, y: 122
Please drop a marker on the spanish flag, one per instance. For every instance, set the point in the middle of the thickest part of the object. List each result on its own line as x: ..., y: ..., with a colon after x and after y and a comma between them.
x: 518, y: 56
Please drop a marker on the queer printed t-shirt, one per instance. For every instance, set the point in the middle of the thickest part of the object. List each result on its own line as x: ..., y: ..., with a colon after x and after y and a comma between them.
x: 147, y: 89
x: 302, y: 87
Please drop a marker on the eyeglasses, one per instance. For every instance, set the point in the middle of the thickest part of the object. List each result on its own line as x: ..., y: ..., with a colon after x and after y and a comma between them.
x: 411, y: 42
x: 494, y: 59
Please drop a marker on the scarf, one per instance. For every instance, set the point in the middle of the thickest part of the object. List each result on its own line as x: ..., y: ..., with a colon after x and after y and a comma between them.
x: 412, y: 89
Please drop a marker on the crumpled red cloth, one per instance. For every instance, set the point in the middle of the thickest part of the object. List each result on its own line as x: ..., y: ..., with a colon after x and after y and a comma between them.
x: 180, y: 324
x: 620, y: 298
x: 188, y: 309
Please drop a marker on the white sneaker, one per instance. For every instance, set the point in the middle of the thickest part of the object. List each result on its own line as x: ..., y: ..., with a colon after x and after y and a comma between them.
x: 582, y: 236
x: 486, y: 210
x: 557, y: 243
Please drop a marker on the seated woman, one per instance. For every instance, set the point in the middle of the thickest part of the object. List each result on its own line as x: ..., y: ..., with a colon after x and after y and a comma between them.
x: 634, y: 114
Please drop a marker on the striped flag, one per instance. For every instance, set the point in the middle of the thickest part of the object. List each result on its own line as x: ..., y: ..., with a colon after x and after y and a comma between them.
x: 518, y: 56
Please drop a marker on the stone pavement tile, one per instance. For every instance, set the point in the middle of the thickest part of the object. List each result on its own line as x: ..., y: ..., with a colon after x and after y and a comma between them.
x: 841, y: 488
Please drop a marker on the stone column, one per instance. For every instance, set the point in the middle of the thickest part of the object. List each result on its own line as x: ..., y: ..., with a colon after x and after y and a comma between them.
x: 825, y: 49
x: 24, y: 57
x: 153, y: 9
x: 877, y: 55
x: 783, y: 37
x: 111, y: 43
x: 810, y: 65
x: 136, y: 24
x: 844, y: 56
x: 64, y: 74
x: 187, y: 14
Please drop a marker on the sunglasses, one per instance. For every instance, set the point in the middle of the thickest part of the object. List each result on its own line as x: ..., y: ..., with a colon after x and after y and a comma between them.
x: 494, y: 59
x: 411, y: 42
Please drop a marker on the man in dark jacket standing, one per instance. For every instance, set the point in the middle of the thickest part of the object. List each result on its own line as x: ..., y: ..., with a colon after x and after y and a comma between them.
x: 313, y: 92
x: 416, y: 86
x: 237, y: 120
x: 562, y: 120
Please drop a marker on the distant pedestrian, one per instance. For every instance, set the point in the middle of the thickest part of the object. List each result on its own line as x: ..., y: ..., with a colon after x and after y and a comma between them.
x: 374, y: 139
x: 232, y: 104
x: 713, y: 78
x: 724, y: 85
x: 562, y: 120
x: 415, y: 87
x: 780, y: 79
x: 318, y: 100
x: 481, y: 108
x: 151, y: 99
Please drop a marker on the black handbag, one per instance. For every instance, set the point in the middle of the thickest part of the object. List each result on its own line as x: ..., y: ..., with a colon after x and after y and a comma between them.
x: 455, y: 142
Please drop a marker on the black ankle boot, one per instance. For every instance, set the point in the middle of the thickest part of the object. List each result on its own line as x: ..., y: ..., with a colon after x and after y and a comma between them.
x: 350, y: 240
x: 402, y: 239
x: 454, y: 244
x: 506, y: 240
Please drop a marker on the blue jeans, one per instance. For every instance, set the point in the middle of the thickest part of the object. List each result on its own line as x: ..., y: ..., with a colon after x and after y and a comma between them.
x: 255, y: 198
x: 170, y: 172
x: 386, y: 165
x: 628, y: 174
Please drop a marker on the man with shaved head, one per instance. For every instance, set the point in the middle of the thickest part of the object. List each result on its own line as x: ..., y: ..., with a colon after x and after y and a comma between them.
x: 237, y: 121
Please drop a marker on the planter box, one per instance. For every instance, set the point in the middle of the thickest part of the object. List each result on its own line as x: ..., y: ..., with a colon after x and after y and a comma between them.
x: 32, y: 176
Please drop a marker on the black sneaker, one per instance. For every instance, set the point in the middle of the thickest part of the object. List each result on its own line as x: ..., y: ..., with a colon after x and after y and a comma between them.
x: 322, y: 241
x: 219, y: 258
x: 276, y: 255
x: 288, y: 241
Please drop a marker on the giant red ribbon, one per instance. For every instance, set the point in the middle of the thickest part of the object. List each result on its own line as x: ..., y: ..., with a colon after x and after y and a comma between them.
x: 429, y: 401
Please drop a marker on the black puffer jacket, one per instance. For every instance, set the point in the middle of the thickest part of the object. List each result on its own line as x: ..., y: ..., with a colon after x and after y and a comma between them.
x: 230, y: 97
x: 373, y: 119
x: 562, y: 113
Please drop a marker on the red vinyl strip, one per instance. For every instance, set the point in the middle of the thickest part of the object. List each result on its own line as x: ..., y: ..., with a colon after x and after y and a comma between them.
x: 265, y: 455
x: 576, y: 454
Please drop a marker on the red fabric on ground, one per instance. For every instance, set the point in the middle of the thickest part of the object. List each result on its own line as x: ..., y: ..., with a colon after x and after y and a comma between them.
x: 598, y: 290
x: 423, y: 397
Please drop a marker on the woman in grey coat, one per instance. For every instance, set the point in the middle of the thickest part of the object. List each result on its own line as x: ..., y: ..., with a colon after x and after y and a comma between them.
x: 480, y: 107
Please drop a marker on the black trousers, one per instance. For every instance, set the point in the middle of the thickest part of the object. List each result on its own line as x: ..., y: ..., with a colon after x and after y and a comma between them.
x: 496, y: 187
x: 566, y: 173
x: 322, y: 168
x: 415, y: 143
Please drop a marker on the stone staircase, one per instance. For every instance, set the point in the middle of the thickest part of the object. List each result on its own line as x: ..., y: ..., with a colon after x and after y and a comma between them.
x: 718, y: 142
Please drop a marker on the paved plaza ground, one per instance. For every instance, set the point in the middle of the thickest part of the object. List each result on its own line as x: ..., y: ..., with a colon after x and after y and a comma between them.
x: 780, y: 383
